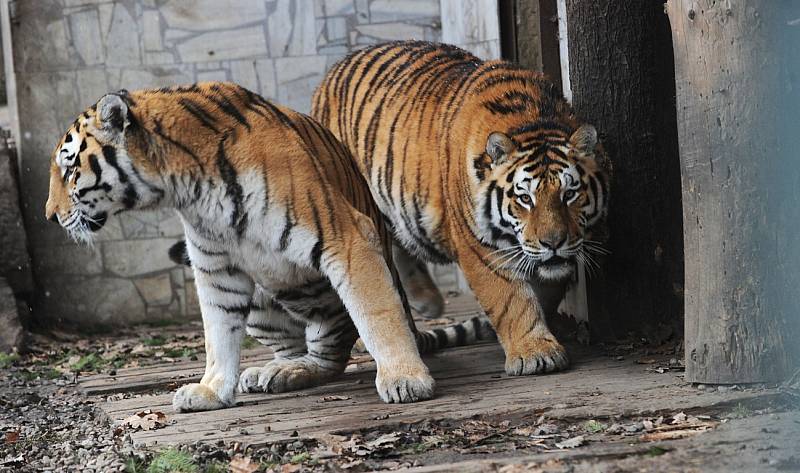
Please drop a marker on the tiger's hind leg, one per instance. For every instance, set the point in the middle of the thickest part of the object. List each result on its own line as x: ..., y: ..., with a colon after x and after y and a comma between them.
x: 272, y: 326
x: 313, y: 316
x: 423, y: 295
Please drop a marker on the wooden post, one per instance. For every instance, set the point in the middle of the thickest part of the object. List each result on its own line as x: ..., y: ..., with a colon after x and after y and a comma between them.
x: 621, y: 77
x: 741, y: 186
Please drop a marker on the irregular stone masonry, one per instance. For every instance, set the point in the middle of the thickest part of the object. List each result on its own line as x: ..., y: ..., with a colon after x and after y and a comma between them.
x: 68, y: 53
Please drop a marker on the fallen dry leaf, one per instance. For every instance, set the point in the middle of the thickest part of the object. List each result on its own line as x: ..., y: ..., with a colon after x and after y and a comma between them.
x: 679, y: 418
x: 333, y: 398
x: 571, y: 443
x: 12, y: 436
x: 291, y: 468
x: 240, y: 464
x: 384, y: 440
x: 670, y: 434
x: 145, y: 420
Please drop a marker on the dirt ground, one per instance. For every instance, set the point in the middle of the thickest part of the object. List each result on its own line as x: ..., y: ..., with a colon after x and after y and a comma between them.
x: 48, y: 424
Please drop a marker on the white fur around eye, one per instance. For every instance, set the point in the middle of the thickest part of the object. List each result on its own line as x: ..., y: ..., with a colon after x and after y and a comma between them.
x: 68, y: 150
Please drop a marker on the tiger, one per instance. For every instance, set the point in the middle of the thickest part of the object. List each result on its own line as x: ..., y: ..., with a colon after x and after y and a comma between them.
x: 282, y: 232
x: 481, y: 163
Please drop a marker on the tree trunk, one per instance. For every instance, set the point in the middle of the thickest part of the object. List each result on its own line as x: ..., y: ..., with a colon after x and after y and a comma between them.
x: 620, y: 57
x: 737, y: 71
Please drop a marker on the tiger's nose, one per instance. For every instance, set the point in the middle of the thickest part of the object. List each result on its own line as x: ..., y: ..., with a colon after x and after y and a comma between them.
x: 553, y: 240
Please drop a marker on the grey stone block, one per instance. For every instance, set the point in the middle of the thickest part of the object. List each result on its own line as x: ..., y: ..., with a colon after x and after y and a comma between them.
x: 14, y: 260
x: 151, y: 224
x: 102, y: 300
x: 12, y: 335
x: 150, y: 77
x: 129, y: 258
x: 370, y: 34
x: 151, y: 31
x: 395, y: 10
x: 292, y: 29
x: 155, y: 290
x: 85, y: 31
x: 267, y: 78
x: 207, y: 15
x: 42, y: 42
x: 216, y: 45
x: 469, y: 21
x: 338, y: 7
x: 218, y: 75
x: 362, y: 11
x: 68, y: 259
x: 123, y: 42
x: 297, y: 79
x: 243, y: 72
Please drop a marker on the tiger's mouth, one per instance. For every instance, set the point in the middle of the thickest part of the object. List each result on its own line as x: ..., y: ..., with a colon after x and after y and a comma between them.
x: 557, y: 261
x: 96, y: 222
x: 556, y: 268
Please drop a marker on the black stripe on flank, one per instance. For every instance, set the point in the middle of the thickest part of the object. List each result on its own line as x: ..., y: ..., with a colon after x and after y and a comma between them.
x: 509, y: 103
x: 160, y: 132
x: 233, y: 189
x: 229, y: 109
x: 201, y: 114
x: 287, y: 228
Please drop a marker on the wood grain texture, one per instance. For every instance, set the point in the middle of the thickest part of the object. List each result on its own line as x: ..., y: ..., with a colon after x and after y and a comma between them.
x: 470, y: 381
x: 740, y: 191
x: 620, y: 61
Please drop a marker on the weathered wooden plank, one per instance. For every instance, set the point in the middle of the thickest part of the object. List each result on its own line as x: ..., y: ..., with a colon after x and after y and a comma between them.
x: 152, y: 377
x: 621, y: 80
x: 741, y: 196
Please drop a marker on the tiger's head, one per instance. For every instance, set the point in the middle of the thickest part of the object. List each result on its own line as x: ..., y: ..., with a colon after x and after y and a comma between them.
x: 92, y: 173
x: 542, y: 188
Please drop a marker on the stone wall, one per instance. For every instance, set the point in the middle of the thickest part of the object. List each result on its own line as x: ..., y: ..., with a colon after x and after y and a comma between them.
x: 68, y: 53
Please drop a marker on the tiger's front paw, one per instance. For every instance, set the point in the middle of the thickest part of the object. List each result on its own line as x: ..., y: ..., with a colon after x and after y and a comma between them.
x: 198, y: 397
x: 536, y: 355
x: 402, y: 388
x: 280, y: 376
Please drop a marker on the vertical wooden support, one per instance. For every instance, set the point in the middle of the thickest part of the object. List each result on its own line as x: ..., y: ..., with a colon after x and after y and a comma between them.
x: 621, y: 78
x: 741, y: 188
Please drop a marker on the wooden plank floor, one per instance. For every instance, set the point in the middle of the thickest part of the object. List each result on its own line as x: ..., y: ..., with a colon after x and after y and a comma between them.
x: 470, y: 381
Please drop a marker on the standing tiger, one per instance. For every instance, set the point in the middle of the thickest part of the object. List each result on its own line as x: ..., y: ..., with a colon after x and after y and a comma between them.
x: 269, y: 199
x: 480, y: 163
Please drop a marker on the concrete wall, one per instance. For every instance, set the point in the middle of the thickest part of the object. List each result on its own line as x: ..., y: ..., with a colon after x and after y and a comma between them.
x: 68, y: 53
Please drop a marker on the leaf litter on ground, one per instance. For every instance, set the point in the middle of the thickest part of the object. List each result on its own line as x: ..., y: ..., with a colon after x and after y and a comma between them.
x: 144, y: 420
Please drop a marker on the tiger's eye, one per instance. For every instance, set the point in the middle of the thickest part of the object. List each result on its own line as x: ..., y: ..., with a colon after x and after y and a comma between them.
x: 525, y: 199
x: 568, y: 195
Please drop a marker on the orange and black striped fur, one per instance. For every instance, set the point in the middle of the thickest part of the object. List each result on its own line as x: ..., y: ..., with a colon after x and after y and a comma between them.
x: 481, y: 163
x: 276, y: 218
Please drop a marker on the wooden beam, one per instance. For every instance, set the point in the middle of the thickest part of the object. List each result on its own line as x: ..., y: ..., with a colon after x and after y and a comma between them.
x: 741, y: 186
x: 621, y: 80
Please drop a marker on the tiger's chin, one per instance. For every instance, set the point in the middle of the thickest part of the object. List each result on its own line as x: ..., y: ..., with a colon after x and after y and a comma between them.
x: 82, y: 228
x: 555, y: 269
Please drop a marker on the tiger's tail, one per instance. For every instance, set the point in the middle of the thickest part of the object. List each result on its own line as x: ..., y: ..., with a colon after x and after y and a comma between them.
x: 470, y: 331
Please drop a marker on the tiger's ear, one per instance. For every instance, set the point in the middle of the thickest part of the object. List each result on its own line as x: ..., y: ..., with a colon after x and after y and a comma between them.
x: 499, y: 146
x: 584, y: 139
x: 112, y: 116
